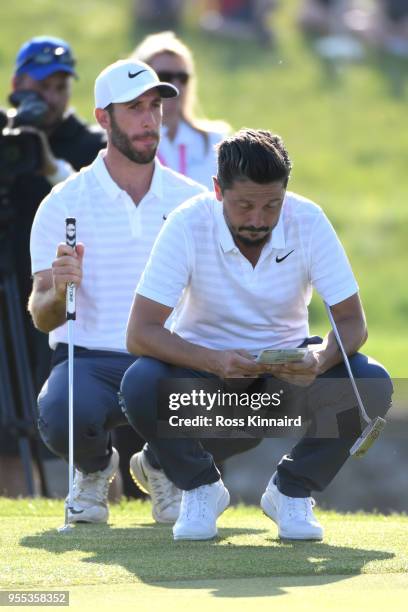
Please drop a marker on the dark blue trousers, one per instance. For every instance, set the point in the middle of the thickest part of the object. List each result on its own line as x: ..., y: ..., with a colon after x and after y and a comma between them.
x: 97, y: 378
x: 311, y: 464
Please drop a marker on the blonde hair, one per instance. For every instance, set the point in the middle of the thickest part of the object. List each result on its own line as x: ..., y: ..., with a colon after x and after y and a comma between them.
x: 167, y: 42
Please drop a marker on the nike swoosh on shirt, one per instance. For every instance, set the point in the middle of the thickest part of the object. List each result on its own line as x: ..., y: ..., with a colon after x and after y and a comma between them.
x: 279, y: 259
x: 132, y: 75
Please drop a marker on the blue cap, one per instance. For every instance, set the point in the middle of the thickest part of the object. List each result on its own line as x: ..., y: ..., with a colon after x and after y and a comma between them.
x: 42, y: 56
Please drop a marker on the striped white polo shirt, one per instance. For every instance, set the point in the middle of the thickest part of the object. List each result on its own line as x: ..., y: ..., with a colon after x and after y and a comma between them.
x: 228, y: 304
x: 118, y: 237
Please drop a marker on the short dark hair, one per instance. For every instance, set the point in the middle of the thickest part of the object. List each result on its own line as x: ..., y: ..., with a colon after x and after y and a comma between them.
x: 254, y: 155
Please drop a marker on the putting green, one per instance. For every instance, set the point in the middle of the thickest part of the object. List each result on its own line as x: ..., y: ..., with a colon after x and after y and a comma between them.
x: 334, y: 593
x: 133, y: 564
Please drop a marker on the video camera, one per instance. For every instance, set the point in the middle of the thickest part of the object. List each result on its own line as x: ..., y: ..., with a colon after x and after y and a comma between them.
x: 21, y: 151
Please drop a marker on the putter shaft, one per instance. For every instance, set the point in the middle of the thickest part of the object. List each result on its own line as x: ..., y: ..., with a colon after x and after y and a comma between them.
x: 375, y: 426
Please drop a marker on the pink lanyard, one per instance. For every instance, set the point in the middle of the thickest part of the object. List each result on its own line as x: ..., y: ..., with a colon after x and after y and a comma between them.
x: 182, y: 159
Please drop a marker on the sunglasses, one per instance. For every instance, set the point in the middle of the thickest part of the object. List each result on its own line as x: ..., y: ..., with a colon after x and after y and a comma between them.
x: 170, y: 77
x: 49, y: 55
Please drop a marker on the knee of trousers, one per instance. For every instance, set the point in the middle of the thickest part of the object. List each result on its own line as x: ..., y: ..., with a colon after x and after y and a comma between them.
x: 374, y: 383
x: 139, y: 391
x: 53, y: 426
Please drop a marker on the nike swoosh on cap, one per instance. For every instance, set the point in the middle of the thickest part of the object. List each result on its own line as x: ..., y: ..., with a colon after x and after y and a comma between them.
x: 132, y: 75
x: 73, y: 511
x: 279, y: 259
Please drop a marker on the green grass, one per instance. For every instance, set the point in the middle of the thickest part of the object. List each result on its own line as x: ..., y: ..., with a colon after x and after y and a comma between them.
x: 344, y: 127
x: 134, y: 549
x: 134, y: 559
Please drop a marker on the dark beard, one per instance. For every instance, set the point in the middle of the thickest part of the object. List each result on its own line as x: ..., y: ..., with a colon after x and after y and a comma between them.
x: 122, y: 142
x: 243, y: 239
x: 247, y: 242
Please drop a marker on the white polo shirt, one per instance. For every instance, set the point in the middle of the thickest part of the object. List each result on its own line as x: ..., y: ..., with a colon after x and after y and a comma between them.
x: 189, y: 155
x: 118, y: 237
x: 228, y: 304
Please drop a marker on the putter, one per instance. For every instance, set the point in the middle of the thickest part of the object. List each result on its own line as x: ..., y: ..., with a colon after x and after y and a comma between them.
x: 70, y: 233
x: 374, y: 426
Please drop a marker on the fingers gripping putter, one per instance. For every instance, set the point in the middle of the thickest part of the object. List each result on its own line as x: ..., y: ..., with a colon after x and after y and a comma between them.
x: 374, y: 426
x: 70, y: 238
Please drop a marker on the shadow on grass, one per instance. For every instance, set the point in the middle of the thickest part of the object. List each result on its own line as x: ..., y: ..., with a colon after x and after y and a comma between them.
x: 150, y: 554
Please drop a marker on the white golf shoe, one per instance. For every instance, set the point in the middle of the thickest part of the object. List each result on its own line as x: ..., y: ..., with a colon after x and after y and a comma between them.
x: 165, y: 496
x: 90, y: 494
x: 293, y: 515
x: 199, y: 511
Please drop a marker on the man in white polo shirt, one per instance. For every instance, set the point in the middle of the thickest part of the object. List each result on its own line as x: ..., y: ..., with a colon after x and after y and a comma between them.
x: 244, y: 263
x: 120, y: 203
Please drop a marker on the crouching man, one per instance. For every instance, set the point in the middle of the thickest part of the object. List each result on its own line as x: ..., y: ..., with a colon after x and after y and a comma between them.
x: 244, y: 262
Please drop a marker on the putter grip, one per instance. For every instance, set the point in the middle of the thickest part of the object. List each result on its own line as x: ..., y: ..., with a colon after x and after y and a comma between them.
x: 70, y: 239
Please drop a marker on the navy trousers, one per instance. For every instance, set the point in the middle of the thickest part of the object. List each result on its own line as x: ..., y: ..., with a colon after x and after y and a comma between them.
x: 97, y: 378
x: 311, y: 464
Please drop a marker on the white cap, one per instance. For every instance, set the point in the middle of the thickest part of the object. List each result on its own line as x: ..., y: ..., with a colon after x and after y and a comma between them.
x: 126, y: 80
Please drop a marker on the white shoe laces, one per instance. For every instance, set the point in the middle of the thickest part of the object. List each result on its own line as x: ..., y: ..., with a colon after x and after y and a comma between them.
x: 299, y: 508
x: 162, y: 491
x: 194, y: 504
x: 92, y: 487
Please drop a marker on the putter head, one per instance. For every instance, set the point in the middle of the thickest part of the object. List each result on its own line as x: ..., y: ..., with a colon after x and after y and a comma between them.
x: 368, y: 437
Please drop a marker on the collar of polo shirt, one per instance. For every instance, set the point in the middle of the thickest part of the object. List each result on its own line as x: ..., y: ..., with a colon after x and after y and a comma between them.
x: 277, y: 240
x: 156, y: 186
x: 113, y: 189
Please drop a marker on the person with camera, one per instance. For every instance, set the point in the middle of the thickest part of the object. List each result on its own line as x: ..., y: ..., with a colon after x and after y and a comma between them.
x: 41, y: 91
x: 44, y: 142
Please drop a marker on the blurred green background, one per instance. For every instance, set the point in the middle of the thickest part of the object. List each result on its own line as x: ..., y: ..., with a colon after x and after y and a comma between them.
x: 345, y: 127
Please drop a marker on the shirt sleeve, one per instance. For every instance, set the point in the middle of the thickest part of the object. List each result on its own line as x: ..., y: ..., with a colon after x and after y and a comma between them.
x: 168, y: 269
x: 47, y: 231
x: 330, y: 270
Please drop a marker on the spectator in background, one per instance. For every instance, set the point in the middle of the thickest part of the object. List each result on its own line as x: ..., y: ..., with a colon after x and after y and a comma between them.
x: 187, y: 143
x: 316, y: 16
x: 158, y: 14
x: 387, y: 27
x: 44, y: 66
x: 396, y: 18
x: 383, y: 24
x: 241, y: 19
